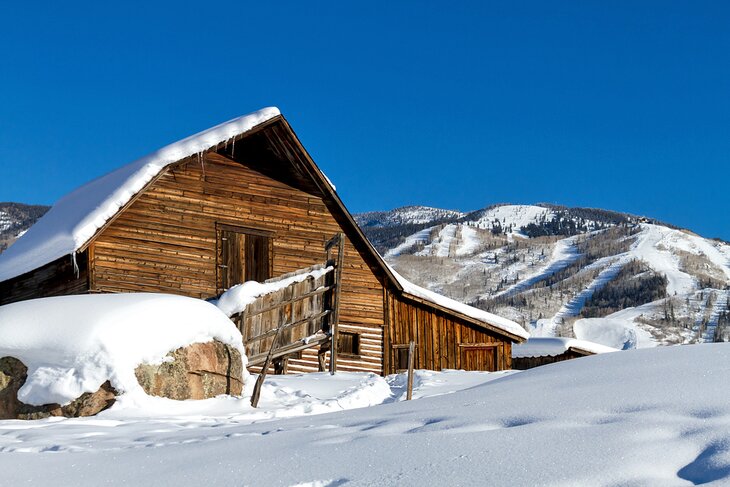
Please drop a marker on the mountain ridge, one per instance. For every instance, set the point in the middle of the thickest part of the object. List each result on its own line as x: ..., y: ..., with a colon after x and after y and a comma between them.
x: 553, y: 268
x: 16, y: 219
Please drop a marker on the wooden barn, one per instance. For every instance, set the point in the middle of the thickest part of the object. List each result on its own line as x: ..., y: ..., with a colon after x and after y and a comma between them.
x: 238, y: 202
x: 536, y: 351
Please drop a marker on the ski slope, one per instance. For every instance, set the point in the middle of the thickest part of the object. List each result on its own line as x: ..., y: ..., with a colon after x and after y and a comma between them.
x: 653, y: 246
x: 564, y: 253
x: 421, y: 237
x: 469, y: 241
x: 441, y: 245
x: 722, y: 301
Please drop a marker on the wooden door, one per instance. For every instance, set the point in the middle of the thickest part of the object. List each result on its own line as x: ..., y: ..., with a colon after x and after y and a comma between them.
x: 479, y: 357
x: 257, y: 266
x: 231, y: 259
x: 399, y: 358
x: 242, y: 257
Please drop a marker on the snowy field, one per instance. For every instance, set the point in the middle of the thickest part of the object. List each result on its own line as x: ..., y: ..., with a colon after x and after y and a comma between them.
x: 641, y: 417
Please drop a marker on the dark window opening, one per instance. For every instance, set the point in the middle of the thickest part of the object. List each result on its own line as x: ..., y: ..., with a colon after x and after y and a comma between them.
x: 400, y: 357
x: 349, y: 343
x: 242, y: 257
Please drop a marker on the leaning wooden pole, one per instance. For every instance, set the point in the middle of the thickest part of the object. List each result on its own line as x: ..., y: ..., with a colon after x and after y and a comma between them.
x: 411, y: 353
x: 335, y: 316
x: 264, y: 370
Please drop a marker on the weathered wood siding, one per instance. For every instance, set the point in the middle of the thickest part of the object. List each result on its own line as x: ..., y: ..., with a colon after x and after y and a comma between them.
x: 525, y: 363
x: 57, y: 278
x: 440, y: 339
x: 165, y: 241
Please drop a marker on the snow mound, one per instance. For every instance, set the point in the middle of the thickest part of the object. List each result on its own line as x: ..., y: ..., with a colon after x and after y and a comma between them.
x: 643, y: 417
x: 553, y: 346
x: 616, y: 333
x: 73, y: 344
x: 76, y: 217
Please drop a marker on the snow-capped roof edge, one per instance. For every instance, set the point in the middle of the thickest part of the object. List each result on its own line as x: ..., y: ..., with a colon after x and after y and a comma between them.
x: 554, y: 346
x: 475, y: 315
x: 75, y: 219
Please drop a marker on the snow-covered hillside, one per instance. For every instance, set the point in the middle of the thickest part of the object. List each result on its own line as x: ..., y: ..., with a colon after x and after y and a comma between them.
x: 406, y: 214
x: 15, y: 219
x: 549, y: 267
x: 604, y: 420
x: 511, y: 219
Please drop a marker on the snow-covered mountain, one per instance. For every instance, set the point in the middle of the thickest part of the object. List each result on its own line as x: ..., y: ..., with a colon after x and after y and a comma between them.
x: 619, y: 279
x: 15, y: 219
x: 406, y: 215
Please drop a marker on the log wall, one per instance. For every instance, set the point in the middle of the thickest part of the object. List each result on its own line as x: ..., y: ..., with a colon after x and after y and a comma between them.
x: 442, y: 342
x: 525, y: 363
x: 57, y: 278
x: 165, y: 241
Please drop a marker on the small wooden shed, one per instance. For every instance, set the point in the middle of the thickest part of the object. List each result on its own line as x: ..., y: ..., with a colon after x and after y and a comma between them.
x: 537, y: 351
x: 244, y: 201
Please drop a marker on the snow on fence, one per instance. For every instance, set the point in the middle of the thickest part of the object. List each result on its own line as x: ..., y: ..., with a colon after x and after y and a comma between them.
x: 287, y: 314
x: 297, y: 312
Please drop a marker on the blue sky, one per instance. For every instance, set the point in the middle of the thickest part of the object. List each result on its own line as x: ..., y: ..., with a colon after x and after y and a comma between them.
x: 617, y: 105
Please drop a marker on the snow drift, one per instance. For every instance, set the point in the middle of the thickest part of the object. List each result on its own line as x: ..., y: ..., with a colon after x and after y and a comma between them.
x: 73, y: 344
x: 641, y: 417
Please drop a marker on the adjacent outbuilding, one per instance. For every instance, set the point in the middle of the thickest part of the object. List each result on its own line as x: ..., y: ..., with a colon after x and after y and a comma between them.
x: 537, y: 351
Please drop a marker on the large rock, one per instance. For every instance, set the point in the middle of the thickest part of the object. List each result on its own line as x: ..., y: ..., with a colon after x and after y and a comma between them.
x: 12, y: 377
x: 198, y: 371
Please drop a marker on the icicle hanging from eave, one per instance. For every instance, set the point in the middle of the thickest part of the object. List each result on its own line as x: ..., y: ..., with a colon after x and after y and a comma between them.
x: 201, y: 159
x: 75, y: 264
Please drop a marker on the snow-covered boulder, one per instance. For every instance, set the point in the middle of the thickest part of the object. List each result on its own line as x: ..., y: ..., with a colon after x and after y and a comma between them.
x: 71, y: 347
x: 13, y: 374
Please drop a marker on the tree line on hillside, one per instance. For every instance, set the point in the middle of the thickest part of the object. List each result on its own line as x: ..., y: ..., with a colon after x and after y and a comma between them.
x: 634, y: 285
x: 19, y: 217
x: 386, y: 238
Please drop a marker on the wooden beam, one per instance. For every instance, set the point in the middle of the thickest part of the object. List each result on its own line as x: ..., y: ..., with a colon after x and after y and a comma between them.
x: 336, y: 302
x: 260, y: 381
x: 316, y: 292
x: 290, y: 349
x: 288, y: 325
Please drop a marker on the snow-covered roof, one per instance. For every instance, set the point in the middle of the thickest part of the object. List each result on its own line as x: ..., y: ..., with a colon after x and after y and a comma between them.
x: 73, y: 344
x: 553, y: 346
x: 485, y: 317
x: 76, y: 217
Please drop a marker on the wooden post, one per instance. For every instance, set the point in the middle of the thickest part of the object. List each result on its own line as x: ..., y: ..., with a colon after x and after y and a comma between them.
x: 264, y: 370
x: 321, y: 355
x: 328, y: 301
x: 335, y: 316
x: 411, y: 353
